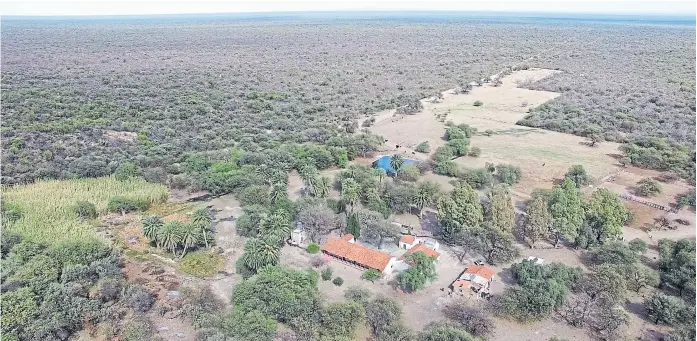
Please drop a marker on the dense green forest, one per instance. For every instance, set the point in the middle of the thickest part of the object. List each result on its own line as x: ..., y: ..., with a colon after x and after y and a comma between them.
x: 80, y: 98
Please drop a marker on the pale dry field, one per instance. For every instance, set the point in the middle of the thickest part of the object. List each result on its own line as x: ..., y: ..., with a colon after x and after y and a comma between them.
x: 544, y: 156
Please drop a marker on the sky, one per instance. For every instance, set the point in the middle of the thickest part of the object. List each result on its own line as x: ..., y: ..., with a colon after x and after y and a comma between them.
x: 136, y: 7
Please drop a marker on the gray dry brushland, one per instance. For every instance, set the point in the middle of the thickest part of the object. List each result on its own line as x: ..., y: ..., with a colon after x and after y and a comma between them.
x: 186, y: 86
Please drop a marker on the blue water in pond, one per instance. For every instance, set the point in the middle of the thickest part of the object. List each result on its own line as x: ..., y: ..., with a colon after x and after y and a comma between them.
x: 384, y: 163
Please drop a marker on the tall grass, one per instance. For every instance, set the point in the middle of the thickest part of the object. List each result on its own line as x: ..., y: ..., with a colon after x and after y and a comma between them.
x: 47, y: 206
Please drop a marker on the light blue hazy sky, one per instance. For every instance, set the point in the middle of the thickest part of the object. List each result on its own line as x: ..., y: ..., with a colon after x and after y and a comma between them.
x: 105, y: 7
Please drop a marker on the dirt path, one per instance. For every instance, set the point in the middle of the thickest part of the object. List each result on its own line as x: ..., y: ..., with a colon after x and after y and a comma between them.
x: 226, y: 211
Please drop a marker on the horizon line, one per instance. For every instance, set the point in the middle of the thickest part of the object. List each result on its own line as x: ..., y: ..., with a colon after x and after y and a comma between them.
x: 446, y: 12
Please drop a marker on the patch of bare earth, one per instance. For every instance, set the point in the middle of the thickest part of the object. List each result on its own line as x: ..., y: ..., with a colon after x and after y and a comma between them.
x: 226, y: 211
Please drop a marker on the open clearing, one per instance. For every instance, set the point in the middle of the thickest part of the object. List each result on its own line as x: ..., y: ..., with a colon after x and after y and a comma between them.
x: 543, y: 156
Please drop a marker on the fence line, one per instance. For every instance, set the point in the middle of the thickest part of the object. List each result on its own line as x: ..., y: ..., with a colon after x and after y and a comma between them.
x: 648, y: 203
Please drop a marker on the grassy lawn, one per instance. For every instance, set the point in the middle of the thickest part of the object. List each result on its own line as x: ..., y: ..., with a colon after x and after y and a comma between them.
x: 47, y: 206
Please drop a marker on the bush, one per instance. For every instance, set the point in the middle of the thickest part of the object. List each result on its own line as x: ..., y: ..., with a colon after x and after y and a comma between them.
x: 488, y: 132
x: 460, y: 146
x: 371, y: 275
x: 124, y: 205
x: 479, y: 178
x: 478, y: 103
x: 202, y: 263
x: 126, y: 171
x: 578, y: 175
x: 508, y: 174
x: 423, y: 147
x: 447, y: 168
x: 648, y: 188
x: 408, y: 173
x: 85, y: 210
x: 313, y: 248
x: 138, y: 298
x: 327, y: 273
x: 155, y: 175
x: 338, y: 281
x: 317, y: 261
x: 475, y: 152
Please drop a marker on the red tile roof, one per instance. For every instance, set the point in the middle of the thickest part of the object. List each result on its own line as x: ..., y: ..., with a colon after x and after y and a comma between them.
x: 423, y: 248
x: 408, y: 239
x: 480, y: 270
x: 366, y: 257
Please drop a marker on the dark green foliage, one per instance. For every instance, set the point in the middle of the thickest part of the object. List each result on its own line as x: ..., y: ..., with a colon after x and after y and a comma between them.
x: 126, y: 171
x: 243, y: 270
x: 566, y: 207
x: 447, y: 168
x: 648, y: 188
x: 254, y: 195
x: 125, y: 205
x: 605, y: 217
x: 85, y: 210
x: 358, y: 294
x: 422, y: 270
x: 423, y: 147
x: 478, y: 103
x: 638, y: 245
x: 533, y: 301
x: 399, y: 196
x: 685, y: 333
x: 313, y: 248
x: 459, y: 210
x: 527, y: 272
x: 578, y: 175
x: 677, y: 264
x: 45, y: 288
x: 326, y: 273
x: 381, y: 313
x: 444, y: 332
x: 251, y: 325
x: 460, y: 146
x: 280, y: 292
x: 615, y: 252
x: 670, y: 310
x: 251, y: 220
x: 479, y: 178
x: 508, y: 174
x: 660, y: 154
x: 10, y: 213
x: 497, y: 247
x: 408, y: 173
x: 341, y: 319
x: 354, y: 226
x: 338, y: 281
x: 371, y: 275
x: 687, y: 199
x: 444, y: 153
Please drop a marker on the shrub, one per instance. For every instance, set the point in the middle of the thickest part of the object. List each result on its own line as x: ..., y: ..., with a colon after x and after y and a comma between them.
x: 648, y: 188
x: 371, y: 275
x: 85, y: 210
x: 423, y: 147
x: 475, y: 152
x: 317, y: 261
x: 578, y: 175
x: 479, y: 178
x: 338, y: 281
x: 126, y: 171
x: 202, y: 263
x: 155, y: 175
x: 478, y: 103
x: 460, y: 146
x: 488, y: 132
x: 138, y: 298
x: 327, y: 273
x: 637, y: 245
x: 408, y: 173
x: 687, y: 199
x: 508, y: 174
x: 447, y: 168
x: 124, y: 205
x: 313, y: 248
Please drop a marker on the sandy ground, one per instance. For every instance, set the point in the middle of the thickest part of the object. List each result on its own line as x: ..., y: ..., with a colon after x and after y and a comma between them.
x: 226, y: 210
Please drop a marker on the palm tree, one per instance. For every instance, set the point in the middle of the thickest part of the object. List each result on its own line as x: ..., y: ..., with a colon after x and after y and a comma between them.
x: 278, y: 191
x: 277, y: 227
x: 151, y: 227
x: 349, y: 193
x: 380, y: 173
x: 189, y: 236
x: 258, y: 254
x: 309, y: 175
x: 396, y: 162
x: 170, y: 235
x: 426, y: 194
x: 202, y: 218
x: 323, y: 186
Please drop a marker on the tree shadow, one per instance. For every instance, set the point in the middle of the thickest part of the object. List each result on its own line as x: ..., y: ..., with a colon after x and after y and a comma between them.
x: 506, y: 276
x: 429, y: 223
x: 636, y: 308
